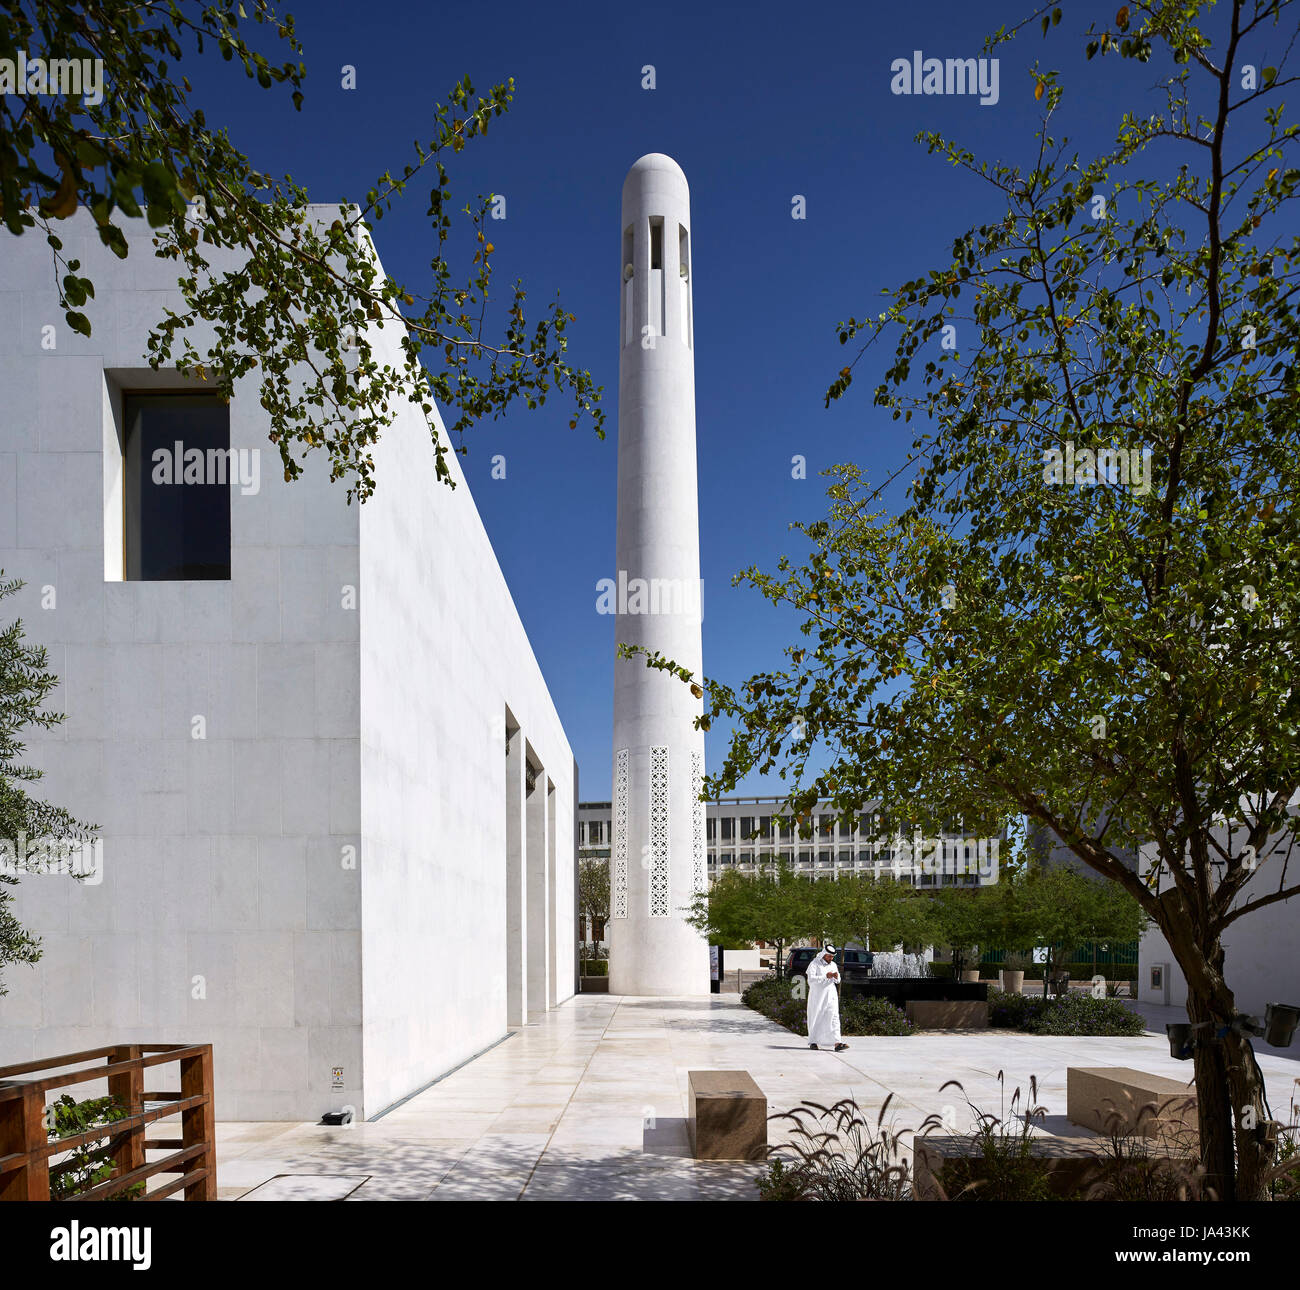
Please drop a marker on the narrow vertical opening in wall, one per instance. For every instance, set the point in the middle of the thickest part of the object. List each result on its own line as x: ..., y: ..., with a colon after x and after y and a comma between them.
x: 552, y: 901
x: 684, y: 270
x: 627, y: 270
x: 516, y: 945
x: 656, y: 292
x: 178, y: 470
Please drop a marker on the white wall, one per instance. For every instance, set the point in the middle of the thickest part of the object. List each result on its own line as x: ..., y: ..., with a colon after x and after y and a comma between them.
x: 1261, y: 949
x: 220, y: 854
x: 224, y: 857
x: 442, y: 656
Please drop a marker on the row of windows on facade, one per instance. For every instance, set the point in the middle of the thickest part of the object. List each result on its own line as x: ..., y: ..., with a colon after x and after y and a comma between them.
x: 805, y: 863
x: 737, y: 828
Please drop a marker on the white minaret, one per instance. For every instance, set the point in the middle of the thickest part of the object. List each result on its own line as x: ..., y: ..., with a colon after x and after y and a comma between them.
x: 657, y: 857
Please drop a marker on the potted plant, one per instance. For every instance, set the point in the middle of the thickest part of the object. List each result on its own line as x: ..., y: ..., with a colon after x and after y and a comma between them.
x: 1013, y: 972
x: 970, y: 962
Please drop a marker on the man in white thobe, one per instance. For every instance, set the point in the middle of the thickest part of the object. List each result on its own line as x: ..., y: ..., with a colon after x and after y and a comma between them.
x: 824, y: 1001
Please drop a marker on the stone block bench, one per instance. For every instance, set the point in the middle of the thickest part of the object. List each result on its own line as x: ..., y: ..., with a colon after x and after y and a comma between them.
x: 1107, y: 1098
x: 727, y: 1116
x: 948, y: 1014
x: 1069, y: 1164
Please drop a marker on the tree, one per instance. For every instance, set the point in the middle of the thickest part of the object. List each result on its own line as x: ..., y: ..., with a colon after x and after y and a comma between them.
x: 593, y: 893
x: 967, y: 919
x: 1058, y: 908
x: 877, y: 913
x: 1092, y: 594
x: 304, y: 298
x: 25, y: 683
x: 776, y: 905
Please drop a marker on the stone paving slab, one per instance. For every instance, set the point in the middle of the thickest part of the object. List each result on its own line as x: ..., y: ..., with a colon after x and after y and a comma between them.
x: 588, y: 1102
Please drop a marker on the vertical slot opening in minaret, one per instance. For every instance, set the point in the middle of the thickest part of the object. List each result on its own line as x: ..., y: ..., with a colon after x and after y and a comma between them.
x: 627, y: 272
x: 656, y: 293
x: 684, y: 269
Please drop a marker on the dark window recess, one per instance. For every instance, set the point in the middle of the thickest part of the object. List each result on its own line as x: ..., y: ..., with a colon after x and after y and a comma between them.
x: 656, y: 243
x: 178, y: 475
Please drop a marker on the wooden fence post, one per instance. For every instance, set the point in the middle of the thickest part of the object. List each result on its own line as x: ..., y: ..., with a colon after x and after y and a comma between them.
x: 198, y: 1124
x: 128, y: 1088
x: 22, y: 1131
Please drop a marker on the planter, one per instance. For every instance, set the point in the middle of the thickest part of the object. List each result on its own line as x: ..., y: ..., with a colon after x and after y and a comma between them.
x: 899, y: 990
x: 970, y: 974
x: 1013, y: 982
x: 595, y: 984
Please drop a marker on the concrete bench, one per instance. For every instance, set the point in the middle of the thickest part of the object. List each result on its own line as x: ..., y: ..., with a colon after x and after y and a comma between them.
x: 948, y: 1014
x: 727, y: 1116
x: 1069, y: 1165
x: 1105, y: 1098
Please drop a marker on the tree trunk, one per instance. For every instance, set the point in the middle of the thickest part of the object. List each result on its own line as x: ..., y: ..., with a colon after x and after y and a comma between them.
x: 1213, y: 1103
x: 1230, y: 1101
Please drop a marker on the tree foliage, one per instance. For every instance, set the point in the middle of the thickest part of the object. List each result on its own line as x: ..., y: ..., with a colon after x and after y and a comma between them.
x: 776, y: 905
x: 878, y: 913
x: 593, y: 892
x: 291, y: 304
x: 25, y: 685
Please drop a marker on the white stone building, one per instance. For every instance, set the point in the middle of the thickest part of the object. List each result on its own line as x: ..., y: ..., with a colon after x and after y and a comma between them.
x: 1261, y: 949
x: 337, y: 805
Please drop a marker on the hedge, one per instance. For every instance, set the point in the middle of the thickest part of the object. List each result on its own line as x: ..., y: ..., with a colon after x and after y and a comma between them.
x: 1072, y: 1014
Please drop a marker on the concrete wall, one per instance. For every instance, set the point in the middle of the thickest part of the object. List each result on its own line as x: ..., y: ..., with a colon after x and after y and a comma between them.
x: 240, y: 903
x: 444, y: 657
x: 1261, y: 949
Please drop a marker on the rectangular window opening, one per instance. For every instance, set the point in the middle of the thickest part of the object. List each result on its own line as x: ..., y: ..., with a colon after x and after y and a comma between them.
x: 178, y: 471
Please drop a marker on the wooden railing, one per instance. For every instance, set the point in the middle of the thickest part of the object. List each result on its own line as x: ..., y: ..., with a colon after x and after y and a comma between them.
x: 26, y: 1148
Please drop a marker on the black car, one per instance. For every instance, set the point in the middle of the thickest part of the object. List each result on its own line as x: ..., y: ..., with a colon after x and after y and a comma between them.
x: 854, y: 965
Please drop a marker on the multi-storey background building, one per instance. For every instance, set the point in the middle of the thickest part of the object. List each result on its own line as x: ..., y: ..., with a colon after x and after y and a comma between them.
x: 742, y: 833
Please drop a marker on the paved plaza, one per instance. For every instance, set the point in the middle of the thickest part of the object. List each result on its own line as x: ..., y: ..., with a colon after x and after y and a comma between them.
x: 589, y: 1103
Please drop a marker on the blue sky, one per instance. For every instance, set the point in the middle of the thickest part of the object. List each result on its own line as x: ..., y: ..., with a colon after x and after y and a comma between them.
x: 757, y: 103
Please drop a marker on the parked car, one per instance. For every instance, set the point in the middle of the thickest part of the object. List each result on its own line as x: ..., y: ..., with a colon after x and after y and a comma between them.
x: 854, y: 965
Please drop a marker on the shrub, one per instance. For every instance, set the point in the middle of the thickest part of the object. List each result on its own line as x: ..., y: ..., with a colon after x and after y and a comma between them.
x: 840, y: 1155
x: 1014, y: 1011
x: 1081, y: 1014
x: 1001, y: 1166
x: 1284, y: 1184
x: 92, y: 1163
x: 595, y: 967
x: 783, y: 1183
x: 1135, y: 1167
x: 1072, y: 1014
x: 867, y: 1015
